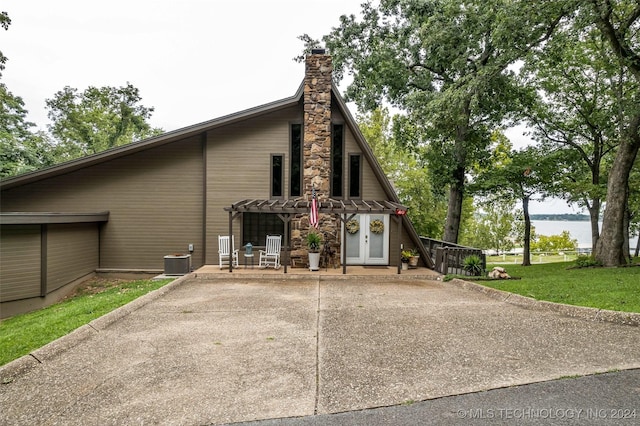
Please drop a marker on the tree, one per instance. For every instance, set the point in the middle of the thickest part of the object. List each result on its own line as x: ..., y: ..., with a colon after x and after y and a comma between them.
x: 494, y: 228
x: 5, y: 21
x: 445, y: 63
x: 619, y: 22
x: 403, y: 168
x: 576, y: 113
x: 21, y: 150
x: 98, y: 119
x: 634, y: 206
x: 555, y: 243
x: 515, y: 176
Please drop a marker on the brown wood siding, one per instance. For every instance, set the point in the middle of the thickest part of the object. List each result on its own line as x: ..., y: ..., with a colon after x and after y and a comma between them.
x: 238, y: 167
x: 371, y: 187
x: 19, y: 262
x: 72, y: 252
x: 154, y: 198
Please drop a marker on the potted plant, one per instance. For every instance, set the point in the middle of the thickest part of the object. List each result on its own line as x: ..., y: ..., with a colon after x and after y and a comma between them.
x: 313, y: 244
x: 405, y: 256
x: 415, y: 257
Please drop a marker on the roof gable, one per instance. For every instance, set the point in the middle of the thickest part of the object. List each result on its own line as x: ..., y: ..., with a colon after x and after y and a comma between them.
x: 199, y: 128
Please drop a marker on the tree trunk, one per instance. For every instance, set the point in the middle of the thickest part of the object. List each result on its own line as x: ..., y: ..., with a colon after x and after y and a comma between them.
x: 625, y: 226
x: 594, y: 215
x: 456, y: 189
x: 454, y: 209
x: 526, y: 261
x: 610, y: 246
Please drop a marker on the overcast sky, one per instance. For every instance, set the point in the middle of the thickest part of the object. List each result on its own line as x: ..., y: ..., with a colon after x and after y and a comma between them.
x: 192, y: 60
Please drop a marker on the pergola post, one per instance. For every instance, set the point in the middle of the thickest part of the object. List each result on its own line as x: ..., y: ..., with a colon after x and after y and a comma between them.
x: 399, y: 220
x: 230, y: 241
x: 286, y: 218
x: 344, y: 244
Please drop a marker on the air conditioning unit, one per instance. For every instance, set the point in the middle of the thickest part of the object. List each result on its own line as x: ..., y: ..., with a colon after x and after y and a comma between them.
x: 177, y: 264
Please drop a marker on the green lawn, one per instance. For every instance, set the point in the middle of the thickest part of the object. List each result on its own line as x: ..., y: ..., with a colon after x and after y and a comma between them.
x: 616, y: 289
x: 24, y: 333
x: 506, y: 259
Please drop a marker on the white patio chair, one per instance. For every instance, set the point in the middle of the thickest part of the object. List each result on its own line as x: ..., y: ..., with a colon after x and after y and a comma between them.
x: 223, y: 251
x: 270, y: 256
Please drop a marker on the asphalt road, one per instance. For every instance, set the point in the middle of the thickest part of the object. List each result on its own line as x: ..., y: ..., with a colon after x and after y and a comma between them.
x: 601, y: 399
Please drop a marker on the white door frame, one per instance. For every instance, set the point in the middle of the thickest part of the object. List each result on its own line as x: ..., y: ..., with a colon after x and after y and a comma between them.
x: 359, y: 245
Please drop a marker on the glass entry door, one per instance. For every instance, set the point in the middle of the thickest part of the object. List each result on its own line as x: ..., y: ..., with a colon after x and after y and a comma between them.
x: 368, y: 240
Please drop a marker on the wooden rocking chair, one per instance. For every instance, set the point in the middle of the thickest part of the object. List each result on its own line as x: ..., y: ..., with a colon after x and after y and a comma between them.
x: 225, y: 250
x: 270, y: 256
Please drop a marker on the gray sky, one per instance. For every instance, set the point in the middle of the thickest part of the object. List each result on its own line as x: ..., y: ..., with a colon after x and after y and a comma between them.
x: 193, y: 60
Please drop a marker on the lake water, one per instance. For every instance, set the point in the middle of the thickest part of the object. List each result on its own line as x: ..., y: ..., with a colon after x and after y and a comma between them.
x: 579, y: 230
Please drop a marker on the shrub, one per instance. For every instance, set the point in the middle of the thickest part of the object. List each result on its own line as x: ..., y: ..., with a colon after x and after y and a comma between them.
x: 472, y: 264
x: 584, y: 261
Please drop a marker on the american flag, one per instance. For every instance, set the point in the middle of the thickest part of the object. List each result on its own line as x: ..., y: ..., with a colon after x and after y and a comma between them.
x: 313, y: 216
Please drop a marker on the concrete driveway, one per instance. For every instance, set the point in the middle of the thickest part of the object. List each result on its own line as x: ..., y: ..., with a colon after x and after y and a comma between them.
x: 212, y: 350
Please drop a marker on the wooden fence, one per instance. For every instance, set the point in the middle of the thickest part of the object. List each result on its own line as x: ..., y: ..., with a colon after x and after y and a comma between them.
x: 449, y: 257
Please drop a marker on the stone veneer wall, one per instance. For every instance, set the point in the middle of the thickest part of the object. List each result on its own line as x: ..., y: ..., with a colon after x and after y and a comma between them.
x: 316, y: 152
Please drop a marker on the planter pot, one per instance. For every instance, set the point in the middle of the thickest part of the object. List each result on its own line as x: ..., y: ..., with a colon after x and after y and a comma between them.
x: 413, y: 261
x: 314, y: 261
x: 405, y: 266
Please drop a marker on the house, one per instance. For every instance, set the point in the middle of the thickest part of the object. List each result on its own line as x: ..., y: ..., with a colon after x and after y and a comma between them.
x: 124, y: 209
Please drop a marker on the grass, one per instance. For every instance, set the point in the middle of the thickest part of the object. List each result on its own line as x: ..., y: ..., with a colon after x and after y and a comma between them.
x: 616, y: 289
x: 21, y: 334
x: 505, y: 259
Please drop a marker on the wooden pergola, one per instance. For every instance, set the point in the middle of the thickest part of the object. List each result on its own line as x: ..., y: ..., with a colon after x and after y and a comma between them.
x: 344, y: 210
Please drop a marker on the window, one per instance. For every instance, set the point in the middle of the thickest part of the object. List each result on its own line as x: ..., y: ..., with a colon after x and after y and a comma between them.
x: 355, y: 175
x: 256, y: 227
x: 277, y: 171
x: 337, y: 147
x: 295, y: 180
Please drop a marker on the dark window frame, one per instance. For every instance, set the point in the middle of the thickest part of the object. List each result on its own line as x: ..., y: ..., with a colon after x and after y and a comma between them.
x: 256, y: 227
x: 353, y: 155
x: 272, y: 177
x: 337, y: 176
x: 295, y: 178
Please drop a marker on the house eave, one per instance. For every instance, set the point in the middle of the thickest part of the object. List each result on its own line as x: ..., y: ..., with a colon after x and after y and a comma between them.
x: 40, y: 218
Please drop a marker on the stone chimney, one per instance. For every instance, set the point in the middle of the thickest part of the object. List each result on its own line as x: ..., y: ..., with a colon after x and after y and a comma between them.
x: 317, y: 124
x: 316, y: 150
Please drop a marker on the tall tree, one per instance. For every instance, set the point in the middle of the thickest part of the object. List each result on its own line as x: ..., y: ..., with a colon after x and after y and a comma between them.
x: 445, y: 63
x: 98, y: 118
x: 619, y: 23
x: 578, y: 83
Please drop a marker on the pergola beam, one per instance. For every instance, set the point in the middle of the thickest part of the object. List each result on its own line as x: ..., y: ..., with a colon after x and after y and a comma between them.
x: 344, y: 212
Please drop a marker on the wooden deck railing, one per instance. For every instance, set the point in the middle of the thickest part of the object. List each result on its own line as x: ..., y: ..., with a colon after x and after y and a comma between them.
x: 449, y: 257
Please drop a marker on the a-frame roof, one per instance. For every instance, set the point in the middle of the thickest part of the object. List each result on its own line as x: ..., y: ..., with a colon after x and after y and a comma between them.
x: 199, y: 128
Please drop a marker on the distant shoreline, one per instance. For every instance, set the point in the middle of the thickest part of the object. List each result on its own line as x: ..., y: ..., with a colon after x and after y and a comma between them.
x: 568, y: 217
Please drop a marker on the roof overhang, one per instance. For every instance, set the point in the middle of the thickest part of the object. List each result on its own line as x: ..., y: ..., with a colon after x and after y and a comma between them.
x: 39, y: 218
